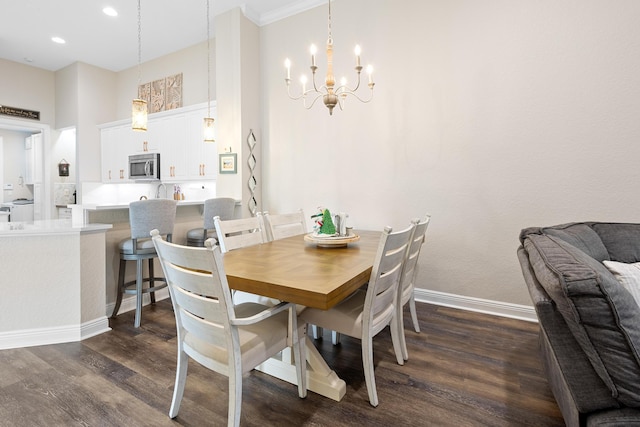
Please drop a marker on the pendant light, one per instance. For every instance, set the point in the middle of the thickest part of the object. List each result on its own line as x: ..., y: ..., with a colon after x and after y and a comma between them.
x: 208, y: 130
x: 139, y: 106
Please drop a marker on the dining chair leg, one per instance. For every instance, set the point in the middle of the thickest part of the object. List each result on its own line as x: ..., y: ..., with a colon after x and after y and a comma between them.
x: 414, y: 315
x: 181, y: 380
x: 299, y: 352
x: 136, y: 322
x: 397, y: 339
x: 399, y: 325
x: 317, y: 331
x: 335, y: 337
x: 120, y: 288
x: 235, y: 395
x: 367, y: 364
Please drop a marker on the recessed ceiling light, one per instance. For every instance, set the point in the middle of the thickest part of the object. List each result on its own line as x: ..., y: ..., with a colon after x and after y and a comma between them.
x: 109, y: 11
x: 58, y: 40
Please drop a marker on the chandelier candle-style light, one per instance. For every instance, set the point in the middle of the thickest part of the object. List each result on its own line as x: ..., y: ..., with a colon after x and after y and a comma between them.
x: 139, y: 106
x: 330, y: 94
x: 207, y: 130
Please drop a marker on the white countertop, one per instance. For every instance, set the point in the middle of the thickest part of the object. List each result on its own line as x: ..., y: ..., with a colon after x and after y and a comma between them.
x: 93, y: 207
x: 49, y: 227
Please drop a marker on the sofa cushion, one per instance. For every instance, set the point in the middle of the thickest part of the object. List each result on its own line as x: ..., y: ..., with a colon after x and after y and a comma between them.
x: 628, y: 275
x: 582, y: 237
x: 621, y: 240
x: 601, y: 314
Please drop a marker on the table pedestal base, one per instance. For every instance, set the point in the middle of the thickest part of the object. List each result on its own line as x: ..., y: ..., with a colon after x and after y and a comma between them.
x: 320, y: 378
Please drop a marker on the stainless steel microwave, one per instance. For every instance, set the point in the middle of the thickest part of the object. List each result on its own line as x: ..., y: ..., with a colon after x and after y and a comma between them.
x: 144, y: 167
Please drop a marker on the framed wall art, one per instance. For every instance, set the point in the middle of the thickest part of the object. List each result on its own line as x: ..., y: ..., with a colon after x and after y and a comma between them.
x: 228, y: 163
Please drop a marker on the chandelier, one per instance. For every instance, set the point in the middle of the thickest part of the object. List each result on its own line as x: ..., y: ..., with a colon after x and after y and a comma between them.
x: 330, y: 94
x: 139, y: 106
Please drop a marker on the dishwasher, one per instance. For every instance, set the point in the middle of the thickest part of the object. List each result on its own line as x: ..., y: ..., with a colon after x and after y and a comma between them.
x: 20, y: 210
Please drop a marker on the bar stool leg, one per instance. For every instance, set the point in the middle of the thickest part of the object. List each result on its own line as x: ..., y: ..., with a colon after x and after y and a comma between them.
x: 120, y: 288
x: 152, y: 295
x: 138, y: 293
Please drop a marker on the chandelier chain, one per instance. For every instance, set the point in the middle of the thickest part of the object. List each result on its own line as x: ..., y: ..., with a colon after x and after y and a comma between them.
x: 330, y: 39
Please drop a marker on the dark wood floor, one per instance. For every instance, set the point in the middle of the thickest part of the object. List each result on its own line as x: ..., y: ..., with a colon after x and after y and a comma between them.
x: 464, y: 369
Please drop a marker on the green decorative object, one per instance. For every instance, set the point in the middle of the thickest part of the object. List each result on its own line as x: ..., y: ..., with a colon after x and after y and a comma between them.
x: 327, y: 223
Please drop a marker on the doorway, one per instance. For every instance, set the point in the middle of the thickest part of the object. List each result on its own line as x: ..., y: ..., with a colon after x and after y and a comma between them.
x: 44, y: 194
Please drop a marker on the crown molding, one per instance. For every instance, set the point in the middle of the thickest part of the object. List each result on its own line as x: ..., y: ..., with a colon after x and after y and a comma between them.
x: 287, y: 11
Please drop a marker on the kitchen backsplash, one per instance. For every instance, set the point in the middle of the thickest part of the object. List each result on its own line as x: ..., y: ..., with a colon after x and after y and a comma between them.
x: 63, y: 194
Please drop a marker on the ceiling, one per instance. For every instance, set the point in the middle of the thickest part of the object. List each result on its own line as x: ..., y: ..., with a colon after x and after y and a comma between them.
x: 27, y: 26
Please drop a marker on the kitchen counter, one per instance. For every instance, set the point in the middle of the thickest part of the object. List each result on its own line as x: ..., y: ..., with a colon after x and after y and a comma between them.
x: 53, y: 282
x: 49, y: 227
x: 93, y: 207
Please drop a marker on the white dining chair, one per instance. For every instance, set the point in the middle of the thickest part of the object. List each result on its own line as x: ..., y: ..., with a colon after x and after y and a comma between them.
x: 231, y: 340
x: 365, y: 313
x: 407, y: 280
x: 238, y: 233
x: 280, y: 226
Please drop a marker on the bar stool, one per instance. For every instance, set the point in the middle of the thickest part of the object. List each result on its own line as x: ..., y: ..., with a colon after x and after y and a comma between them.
x: 220, y: 206
x: 144, y: 216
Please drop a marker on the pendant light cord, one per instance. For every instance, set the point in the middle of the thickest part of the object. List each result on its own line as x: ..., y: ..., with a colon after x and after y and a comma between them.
x: 139, y: 45
x: 208, y: 65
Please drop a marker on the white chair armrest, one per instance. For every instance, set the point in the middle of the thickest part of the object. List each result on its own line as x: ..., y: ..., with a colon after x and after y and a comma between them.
x: 243, y: 321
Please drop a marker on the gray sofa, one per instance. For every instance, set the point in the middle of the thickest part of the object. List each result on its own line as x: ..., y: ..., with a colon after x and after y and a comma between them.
x: 589, y: 322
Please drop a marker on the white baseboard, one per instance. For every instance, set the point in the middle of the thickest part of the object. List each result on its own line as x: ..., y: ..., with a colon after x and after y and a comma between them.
x: 94, y: 327
x: 56, y: 335
x: 72, y: 333
x: 496, y: 308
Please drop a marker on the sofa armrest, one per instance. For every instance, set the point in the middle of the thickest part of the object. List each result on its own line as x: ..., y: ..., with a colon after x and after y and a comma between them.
x: 575, y: 384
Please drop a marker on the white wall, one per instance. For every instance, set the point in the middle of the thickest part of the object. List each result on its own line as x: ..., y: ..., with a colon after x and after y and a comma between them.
x: 191, y: 62
x: 492, y: 116
x: 30, y: 88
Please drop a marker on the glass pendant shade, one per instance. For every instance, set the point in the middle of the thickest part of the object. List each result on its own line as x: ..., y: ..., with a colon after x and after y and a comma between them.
x: 139, y: 115
x: 208, y: 131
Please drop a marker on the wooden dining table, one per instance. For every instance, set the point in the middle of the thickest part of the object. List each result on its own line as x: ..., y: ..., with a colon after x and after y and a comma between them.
x: 300, y: 272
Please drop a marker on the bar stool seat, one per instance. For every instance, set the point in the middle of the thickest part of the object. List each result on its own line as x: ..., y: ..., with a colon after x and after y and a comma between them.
x: 217, y: 206
x: 144, y: 216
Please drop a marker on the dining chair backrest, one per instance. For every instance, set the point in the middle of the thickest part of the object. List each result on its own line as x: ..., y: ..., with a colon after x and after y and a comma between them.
x: 410, y: 267
x: 385, y: 277
x: 284, y: 225
x: 219, y: 206
x: 199, y: 290
x: 239, y: 233
x: 146, y: 215
x: 407, y: 282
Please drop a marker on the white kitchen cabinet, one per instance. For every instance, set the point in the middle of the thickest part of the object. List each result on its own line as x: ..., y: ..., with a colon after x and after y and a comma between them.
x: 175, y: 134
x: 174, y: 149
x: 64, y: 213
x: 146, y: 142
x: 33, y: 150
x: 115, y: 142
x: 203, y: 157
